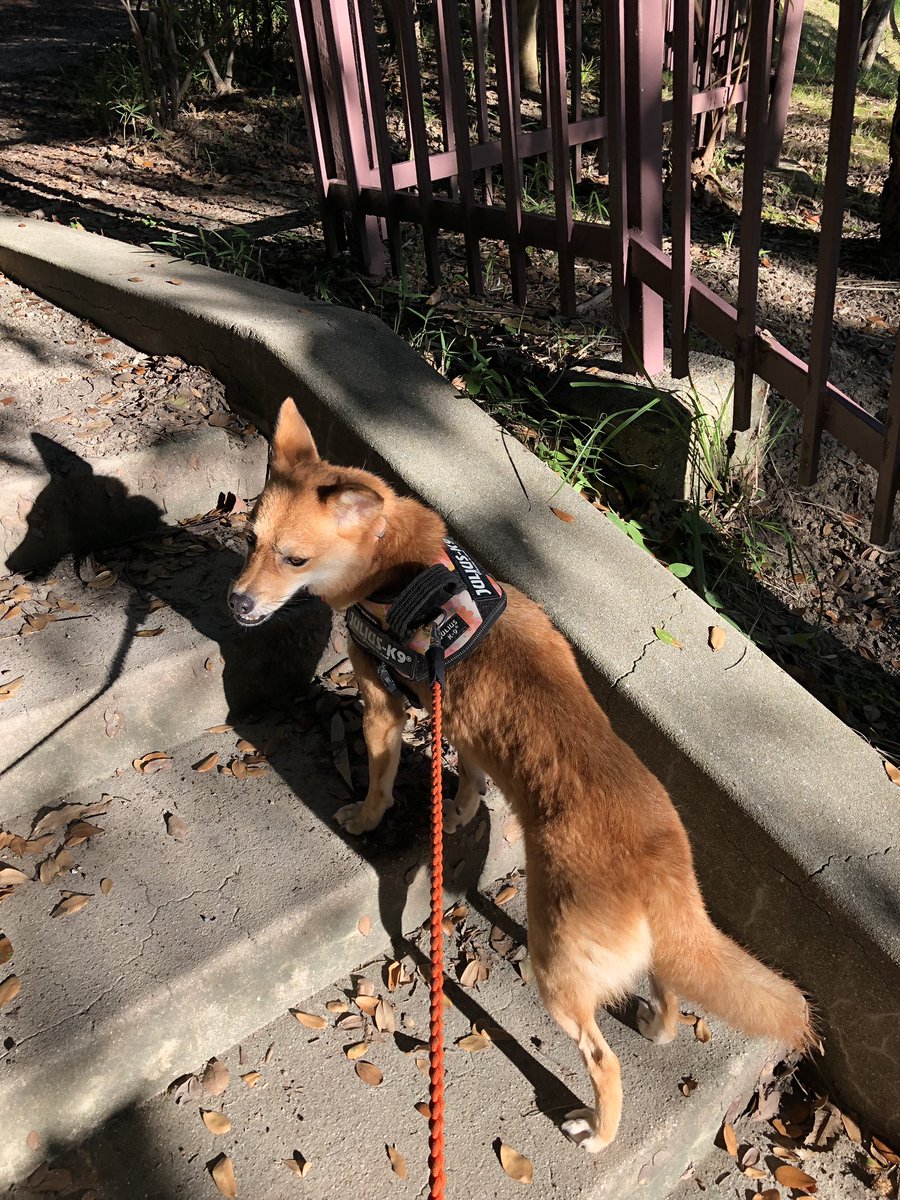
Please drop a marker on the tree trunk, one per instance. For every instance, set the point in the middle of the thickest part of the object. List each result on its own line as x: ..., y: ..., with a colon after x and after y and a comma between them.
x: 875, y: 21
x: 890, y: 197
x: 529, y: 75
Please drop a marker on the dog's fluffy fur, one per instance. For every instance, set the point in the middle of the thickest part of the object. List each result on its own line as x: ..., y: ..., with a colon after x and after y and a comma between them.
x: 611, y: 885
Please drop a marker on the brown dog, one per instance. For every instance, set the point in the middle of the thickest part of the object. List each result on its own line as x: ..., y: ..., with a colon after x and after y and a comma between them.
x: 611, y: 885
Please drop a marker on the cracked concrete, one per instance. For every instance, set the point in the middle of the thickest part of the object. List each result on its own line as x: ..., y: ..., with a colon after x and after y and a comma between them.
x: 770, y: 784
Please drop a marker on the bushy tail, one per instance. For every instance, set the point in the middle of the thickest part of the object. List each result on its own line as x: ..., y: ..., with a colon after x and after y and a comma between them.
x: 703, y: 965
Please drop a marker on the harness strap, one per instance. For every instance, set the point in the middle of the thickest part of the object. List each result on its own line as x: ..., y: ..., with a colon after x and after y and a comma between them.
x: 421, y: 600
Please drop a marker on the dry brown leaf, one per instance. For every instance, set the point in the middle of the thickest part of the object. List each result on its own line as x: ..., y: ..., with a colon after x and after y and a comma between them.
x: 337, y: 1006
x: 9, y: 989
x: 298, y: 1164
x: 310, y: 1020
x: 251, y: 1078
x: 385, y: 1019
x: 33, y: 1141
x: 393, y: 976
x: 56, y: 818
x: 886, y: 1152
x: 357, y: 1050
x: 45, y: 1179
x: 716, y: 637
x: 506, y: 894
x: 473, y: 1042
x: 223, y: 1175
x: 754, y: 1172
x: 516, y: 1165
x: 8, y: 690
x: 770, y: 1194
x: 893, y: 773
x: 729, y: 1137
x: 701, y: 1031
x: 365, y: 987
x: 398, y: 1162
x: 55, y: 865
x: 149, y: 764
x: 563, y: 516
x: 852, y: 1129
x: 422, y: 1067
x: 155, y: 632
x: 368, y: 1004
x: 246, y: 747
x: 6, y: 950
x: 350, y: 1021
x: 688, y: 1085
x: 206, y: 764
x: 72, y: 902
x: 12, y: 877
x: 37, y: 845
x: 364, y: 926
x: 369, y: 1073
x: 215, y: 1078
x: 792, y: 1177
x: 176, y: 826
x: 79, y: 832
x: 216, y: 1122
x: 471, y: 973
x: 220, y: 729
x: 106, y: 886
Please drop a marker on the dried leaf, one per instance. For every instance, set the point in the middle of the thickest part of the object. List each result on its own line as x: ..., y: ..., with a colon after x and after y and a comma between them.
x: 149, y: 764
x: 55, y: 865
x: 9, y: 989
x: 365, y: 987
x: 422, y: 1067
x: 385, y: 1020
x: 365, y: 926
x: 337, y: 1006
x: 79, y: 832
x: 12, y: 877
x: 350, y: 1021
x: 701, y: 1031
x: 72, y: 903
x: 310, y: 1020
x: 506, y: 894
x: 298, y: 1164
x: 893, y: 772
x: 473, y: 1042
x: 37, y: 845
x: 56, y: 818
x: 730, y: 1139
x: 369, y: 1073
x: 59, y: 1179
x: 398, y: 1162
x: 33, y: 1141
x: 220, y: 729
x: 215, y: 1078
x: 716, y: 637
x: 216, y: 1122
x: 688, y: 1085
x: 852, y: 1129
x: 516, y: 1165
x: 6, y: 950
x: 886, y: 1152
x: 368, y: 1004
x: 115, y: 722
x: 251, y: 1078
x: 471, y: 973
x: 222, y: 1171
x: 106, y: 886
x: 393, y: 976
x: 563, y: 516
x: 357, y: 1050
x: 8, y: 690
x: 176, y: 826
x: 155, y: 632
x: 792, y: 1177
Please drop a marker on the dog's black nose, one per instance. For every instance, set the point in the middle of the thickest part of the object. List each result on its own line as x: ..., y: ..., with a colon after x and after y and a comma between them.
x: 241, y: 604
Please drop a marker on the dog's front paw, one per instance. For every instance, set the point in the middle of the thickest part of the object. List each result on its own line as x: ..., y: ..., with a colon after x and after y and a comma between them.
x: 580, y: 1126
x: 455, y: 818
x: 354, y: 819
x: 650, y: 1024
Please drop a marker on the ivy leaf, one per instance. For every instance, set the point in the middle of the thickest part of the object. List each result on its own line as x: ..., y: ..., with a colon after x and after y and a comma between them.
x: 680, y: 570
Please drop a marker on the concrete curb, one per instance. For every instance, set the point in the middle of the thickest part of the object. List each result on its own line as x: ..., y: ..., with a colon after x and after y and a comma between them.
x: 788, y: 810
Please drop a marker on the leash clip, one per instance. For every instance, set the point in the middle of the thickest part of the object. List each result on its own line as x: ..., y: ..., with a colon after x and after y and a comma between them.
x: 434, y: 658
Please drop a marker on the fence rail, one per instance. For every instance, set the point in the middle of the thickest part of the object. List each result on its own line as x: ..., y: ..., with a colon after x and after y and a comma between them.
x: 445, y: 148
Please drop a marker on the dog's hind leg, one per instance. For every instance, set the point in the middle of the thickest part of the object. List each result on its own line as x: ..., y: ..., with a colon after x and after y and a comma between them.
x: 591, y: 1128
x: 384, y: 715
x: 658, y: 1020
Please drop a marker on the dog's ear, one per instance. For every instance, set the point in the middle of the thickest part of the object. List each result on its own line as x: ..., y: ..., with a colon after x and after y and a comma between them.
x: 352, y: 504
x: 292, y: 443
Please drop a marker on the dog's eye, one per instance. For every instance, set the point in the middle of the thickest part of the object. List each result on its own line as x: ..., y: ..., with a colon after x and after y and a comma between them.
x: 251, y: 538
x: 296, y: 562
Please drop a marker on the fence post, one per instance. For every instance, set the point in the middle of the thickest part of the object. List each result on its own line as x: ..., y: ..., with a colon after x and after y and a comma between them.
x: 644, y: 37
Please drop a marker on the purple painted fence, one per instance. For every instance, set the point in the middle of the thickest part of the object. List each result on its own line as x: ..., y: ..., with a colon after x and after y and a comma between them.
x: 415, y: 115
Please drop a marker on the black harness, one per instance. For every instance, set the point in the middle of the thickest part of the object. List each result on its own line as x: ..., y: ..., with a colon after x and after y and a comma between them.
x: 436, y: 621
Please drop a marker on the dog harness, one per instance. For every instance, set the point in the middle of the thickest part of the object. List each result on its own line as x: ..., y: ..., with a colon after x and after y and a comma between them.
x: 444, y: 612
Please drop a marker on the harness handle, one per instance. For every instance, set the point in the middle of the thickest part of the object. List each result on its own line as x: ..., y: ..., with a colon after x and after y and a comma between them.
x: 437, y: 1173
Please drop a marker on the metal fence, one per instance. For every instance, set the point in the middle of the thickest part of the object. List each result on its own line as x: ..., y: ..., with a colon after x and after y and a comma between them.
x: 415, y: 115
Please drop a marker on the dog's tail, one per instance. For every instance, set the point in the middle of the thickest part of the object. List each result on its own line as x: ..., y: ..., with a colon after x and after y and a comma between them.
x: 701, y: 963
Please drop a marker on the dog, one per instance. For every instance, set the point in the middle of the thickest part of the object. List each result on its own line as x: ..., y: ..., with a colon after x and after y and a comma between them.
x: 611, y: 888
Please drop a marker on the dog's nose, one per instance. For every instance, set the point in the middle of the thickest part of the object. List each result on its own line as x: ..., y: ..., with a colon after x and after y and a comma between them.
x: 241, y: 604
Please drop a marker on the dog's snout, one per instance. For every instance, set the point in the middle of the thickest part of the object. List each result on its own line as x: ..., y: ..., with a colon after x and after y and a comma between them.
x: 241, y: 604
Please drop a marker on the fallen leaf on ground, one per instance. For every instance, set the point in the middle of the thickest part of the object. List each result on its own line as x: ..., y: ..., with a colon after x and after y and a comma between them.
x: 893, y: 772
x: 155, y: 632
x: 6, y: 950
x: 729, y: 1137
x: 506, y: 894
x: 207, y: 763
x: 716, y: 637
x: 337, y: 1006
x: 368, y: 1004
x: 8, y: 690
x: 365, y: 926
x: 310, y: 1020
x: 251, y: 1078
x: 12, y: 877
x: 106, y: 886
x: 216, y: 1122
x: 79, y: 832
x: 398, y: 1162
x: 886, y: 1152
x: 222, y: 1171
x: 37, y: 845
x: 220, y: 729
x: 563, y: 516
x: 357, y: 1050
x: 688, y: 1085
x: 369, y: 1073
x: 422, y: 1067
x: 73, y: 903
x: 149, y: 764
x: 56, y: 818
x: 423, y: 1109
x: 473, y: 1042
x: 59, y: 1179
x: 852, y: 1129
x: 215, y: 1078
x: 9, y: 989
x: 393, y: 976
x: 667, y: 638
x: 55, y: 865
x: 298, y: 1164
x: 385, y: 1020
x: 516, y: 1165
x: 793, y: 1177
x: 701, y: 1031
x: 176, y: 826
x: 33, y: 1140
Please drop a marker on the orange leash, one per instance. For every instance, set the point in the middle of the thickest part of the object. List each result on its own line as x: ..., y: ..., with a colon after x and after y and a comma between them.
x: 437, y: 1176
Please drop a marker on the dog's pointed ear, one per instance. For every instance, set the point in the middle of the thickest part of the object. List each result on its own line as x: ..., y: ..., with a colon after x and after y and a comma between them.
x: 292, y: 443
x: 352, y: 504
